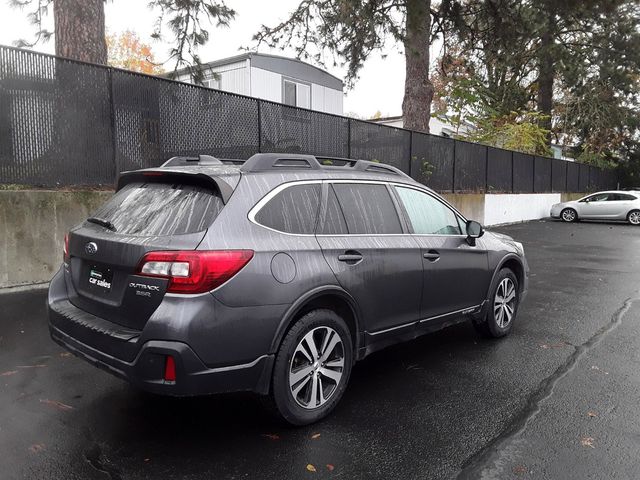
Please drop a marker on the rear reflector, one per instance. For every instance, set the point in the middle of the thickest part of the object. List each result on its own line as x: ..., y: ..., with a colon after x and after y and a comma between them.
x: 194, y: 271
x: 170, y: 369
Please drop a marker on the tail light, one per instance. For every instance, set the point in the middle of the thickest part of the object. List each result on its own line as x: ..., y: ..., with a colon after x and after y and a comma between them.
x: 65, y: 249
x: 194, y: 271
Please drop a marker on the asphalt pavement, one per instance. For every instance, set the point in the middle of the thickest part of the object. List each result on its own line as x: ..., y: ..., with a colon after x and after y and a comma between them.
x: 557, y: 399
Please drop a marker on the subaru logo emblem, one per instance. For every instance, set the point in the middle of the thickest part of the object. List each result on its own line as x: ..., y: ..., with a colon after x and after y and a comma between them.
x: 91, y: 248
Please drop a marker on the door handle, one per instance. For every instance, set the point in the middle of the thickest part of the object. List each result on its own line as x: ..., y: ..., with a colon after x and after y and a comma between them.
x: 350, y: 257
x: 431, y: 255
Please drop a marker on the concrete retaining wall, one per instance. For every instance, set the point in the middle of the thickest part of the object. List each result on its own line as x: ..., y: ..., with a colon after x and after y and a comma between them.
x: 33, y: 224
x: 32, y: 228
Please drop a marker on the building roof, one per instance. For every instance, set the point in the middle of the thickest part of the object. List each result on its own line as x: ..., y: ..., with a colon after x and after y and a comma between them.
x: 289, y: 67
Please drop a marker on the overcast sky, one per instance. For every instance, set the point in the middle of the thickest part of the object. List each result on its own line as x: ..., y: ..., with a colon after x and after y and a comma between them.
x: 381, y: 82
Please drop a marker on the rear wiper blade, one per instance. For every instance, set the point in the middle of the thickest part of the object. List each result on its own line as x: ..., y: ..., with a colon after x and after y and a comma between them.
x: 102, y: 222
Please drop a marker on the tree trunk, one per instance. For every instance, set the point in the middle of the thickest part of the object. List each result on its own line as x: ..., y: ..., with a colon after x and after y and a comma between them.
x: 418, y: 89
x: 546, y: 71
x: 79, y: 30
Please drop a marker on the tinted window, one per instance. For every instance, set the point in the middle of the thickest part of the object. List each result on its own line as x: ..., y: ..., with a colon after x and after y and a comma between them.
x: 367, y: 208
x: 624, y: 196
x: 428, y: 215
x: 334, y: 222
x: 159, y: 209
x: 293, y: 210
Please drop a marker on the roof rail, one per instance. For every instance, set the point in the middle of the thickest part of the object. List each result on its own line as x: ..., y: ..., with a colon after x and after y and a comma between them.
x: 185, y: 161
x: 261, y: 162
x: 375, y: 167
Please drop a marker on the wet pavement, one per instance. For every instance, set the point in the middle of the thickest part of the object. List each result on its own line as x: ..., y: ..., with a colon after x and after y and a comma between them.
x: 558, y: 398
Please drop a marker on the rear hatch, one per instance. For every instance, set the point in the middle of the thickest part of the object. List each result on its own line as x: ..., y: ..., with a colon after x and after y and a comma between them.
x: 152, y: 211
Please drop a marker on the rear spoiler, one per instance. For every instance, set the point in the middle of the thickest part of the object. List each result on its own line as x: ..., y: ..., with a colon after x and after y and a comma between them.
x: 167, y: 176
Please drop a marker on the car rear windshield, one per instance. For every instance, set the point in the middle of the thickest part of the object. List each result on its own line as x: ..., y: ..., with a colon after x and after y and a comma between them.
x: 161, y: 209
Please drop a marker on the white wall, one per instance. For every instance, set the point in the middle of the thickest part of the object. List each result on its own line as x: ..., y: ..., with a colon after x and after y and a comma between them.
x: 509, y: 208
x: 333, y: 101
x: 266, y: 85
x: 234, y: 77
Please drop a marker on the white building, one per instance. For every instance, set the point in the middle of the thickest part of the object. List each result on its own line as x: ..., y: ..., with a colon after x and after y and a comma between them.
x: 278, y: 79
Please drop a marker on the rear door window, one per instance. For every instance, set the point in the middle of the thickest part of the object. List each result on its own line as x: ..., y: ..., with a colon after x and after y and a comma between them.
x: 624, y: 197
x: 334, y: 222
x: 292, y: 210
x: 367, y: 208
x: 161, y: 209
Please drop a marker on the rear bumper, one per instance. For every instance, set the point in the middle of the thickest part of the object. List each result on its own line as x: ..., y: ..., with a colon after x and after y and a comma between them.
x: 192, y: 376
x: 120, y: 351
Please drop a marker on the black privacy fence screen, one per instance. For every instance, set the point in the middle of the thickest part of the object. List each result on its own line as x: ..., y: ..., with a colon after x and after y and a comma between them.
x: 67, y: 123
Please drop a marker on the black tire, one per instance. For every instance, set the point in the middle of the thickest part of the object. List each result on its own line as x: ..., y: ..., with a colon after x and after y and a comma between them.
x: 571, y: 215
x: 281, y: 399
x: 490, y: 325
x: 633, y: 220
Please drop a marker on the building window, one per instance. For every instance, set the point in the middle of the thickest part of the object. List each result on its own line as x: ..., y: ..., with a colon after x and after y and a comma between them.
x: 296, y: 94
x: 289, y: 93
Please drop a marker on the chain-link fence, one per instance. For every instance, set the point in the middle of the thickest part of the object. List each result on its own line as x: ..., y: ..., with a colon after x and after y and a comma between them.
x: 66, y: 123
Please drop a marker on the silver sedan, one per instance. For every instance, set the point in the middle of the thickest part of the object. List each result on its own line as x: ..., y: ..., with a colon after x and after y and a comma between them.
x: 613, y: 205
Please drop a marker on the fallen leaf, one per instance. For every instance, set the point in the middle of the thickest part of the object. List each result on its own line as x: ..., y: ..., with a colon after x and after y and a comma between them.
x: 36, y: 447
x: 315, y: 435
x: 330, y: 467
x: 592, y: 414
x: 9, y: 373
x: 519, y: 469
x: 271, y: 436
x: 311, y: 468
x: 60, y: 405
x: 587, y: 442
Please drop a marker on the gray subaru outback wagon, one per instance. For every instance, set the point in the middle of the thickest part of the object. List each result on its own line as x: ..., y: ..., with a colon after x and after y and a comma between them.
x: 274, y: 275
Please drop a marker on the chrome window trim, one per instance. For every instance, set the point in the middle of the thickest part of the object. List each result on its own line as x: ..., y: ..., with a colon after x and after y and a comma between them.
x: 264, y: 200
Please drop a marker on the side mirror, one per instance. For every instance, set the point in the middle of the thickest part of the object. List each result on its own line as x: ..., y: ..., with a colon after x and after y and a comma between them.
x: 474, y: 230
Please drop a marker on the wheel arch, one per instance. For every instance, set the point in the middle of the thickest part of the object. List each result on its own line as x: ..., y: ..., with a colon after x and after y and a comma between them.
x: 631, y: 211
x: 514, y: 263
x: 330, y: 297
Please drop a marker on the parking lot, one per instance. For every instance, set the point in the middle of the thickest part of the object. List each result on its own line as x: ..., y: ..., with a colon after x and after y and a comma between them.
x: 556, y: 399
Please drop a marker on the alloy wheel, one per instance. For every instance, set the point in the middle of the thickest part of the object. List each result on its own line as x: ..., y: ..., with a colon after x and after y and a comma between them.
x: 504, y: 303
x: 316, y: 367
x: 568, y: 215
x: 634, y: 218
